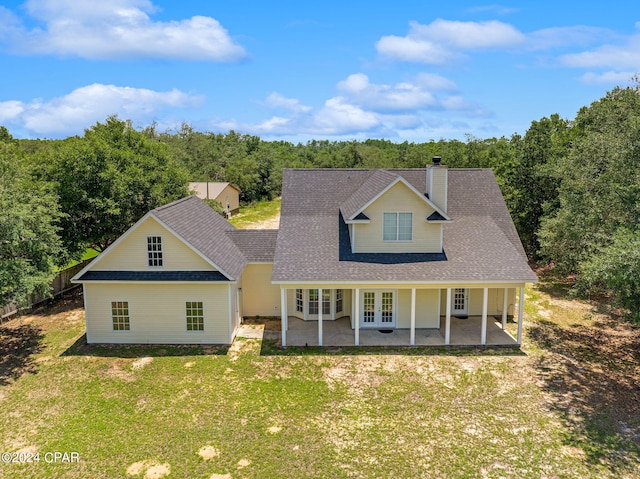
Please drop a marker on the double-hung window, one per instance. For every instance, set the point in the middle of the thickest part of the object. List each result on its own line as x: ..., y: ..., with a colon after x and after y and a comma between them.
x: 397, y: 227
x: 154, y: 251
x: 120, y: 315
x: 195, y: 316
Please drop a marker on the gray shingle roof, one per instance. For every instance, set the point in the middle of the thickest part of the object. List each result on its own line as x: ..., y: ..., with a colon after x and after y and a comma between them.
x: 258, y: 246
x: 200, y: 226
x: 375, y: 184
x: 480, y: 244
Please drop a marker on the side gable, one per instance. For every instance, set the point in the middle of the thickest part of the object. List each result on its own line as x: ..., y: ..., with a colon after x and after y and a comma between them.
x: 193, y: 239
x: 130, y: 254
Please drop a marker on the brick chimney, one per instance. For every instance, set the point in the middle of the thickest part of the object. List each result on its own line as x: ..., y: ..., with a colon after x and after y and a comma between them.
x: 437, y: 183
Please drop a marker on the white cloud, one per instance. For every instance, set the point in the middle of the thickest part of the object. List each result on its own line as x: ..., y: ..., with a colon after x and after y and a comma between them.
x: 439, y: 41
x: 116, y: 29
x: 442, y: 41
x: 362, y: 108
x: 71, y: 113
x: 579, y: 35
x: 10, y: 110
x: 276, y: 100
x: 400, y: 97
x: 625, y: 56
x: 607, y: 78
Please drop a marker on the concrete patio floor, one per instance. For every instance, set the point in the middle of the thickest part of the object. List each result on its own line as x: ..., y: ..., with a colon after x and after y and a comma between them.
x: 464, y: 332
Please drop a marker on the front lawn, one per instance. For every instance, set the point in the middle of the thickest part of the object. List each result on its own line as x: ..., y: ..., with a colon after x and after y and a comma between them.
x: 566, y: 407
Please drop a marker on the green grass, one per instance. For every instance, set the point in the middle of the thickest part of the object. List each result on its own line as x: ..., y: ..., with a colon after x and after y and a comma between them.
x: 297, y: 413
x: 88, y: 254
x: 256, y: 213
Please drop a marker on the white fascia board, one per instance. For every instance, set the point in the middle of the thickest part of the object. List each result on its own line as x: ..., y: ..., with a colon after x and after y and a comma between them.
x: 426, y: 283
x: 110, y: 248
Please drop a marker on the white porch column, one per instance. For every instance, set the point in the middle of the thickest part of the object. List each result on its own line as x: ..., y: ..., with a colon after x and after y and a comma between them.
x: 412, y: 336
x: 283, y: 314
x: 447, y: 321
x: 520, y: 313
x: 504, y: 309
x: 319, y: 317
x: 355, y: 300
x: 483, y: 334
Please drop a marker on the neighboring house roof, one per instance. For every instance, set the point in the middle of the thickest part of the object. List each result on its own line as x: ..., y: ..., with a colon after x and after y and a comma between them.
x: 198, y: 224
x: 215, y: 188
x: 480, y: 243
x: 258, y: 246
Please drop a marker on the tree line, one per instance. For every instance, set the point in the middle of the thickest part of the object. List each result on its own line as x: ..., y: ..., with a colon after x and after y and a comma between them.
x: 572, y: 187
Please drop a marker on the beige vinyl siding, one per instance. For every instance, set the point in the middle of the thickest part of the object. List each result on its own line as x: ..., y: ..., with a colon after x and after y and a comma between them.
x: 438, y: 186
x: 426, y: 308
x: 259, y: 296
x: 158, y: 313
x: 130, y: 254
x: 494, y: 301
x: 229, y: 194
x: 399, y: 198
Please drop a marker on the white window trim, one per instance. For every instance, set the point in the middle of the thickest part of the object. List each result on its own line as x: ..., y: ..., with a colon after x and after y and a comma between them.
x: 128, y: 316
x: 161, y: 252
x: 186, y: 318
x: 397, y: 213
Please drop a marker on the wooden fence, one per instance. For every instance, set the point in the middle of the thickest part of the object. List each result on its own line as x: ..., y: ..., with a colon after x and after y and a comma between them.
x: 60, y: 285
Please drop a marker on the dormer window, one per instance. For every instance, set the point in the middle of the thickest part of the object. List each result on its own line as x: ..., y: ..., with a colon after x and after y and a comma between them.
x: 397, y: 226
x: 154, y: 251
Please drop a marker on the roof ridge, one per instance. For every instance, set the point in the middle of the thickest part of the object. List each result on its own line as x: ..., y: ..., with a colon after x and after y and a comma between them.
x: 173, y: 203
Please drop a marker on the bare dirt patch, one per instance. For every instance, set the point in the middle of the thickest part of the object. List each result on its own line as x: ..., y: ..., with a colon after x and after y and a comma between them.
x: 152, y: 469
x: 274, y: 429
x: 189, y: 365
x: 208, y: 452
x: 141, y: 363
x: 270, y: 224
x: 220, y: 476
x: 242, y: 463
x: 158, y: 471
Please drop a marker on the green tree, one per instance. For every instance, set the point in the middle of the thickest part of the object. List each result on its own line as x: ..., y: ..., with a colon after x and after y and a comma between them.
x: 615, y: 270
x: 600, y: 188
x: 30, y: 246
x: 107, y: 180
x: 534, y: 180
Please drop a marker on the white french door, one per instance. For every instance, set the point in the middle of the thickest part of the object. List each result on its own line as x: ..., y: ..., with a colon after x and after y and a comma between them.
x: 378, y: 308
x: 460, y: 301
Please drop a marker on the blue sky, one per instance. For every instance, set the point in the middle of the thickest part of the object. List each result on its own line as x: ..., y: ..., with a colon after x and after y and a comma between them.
x: 295, y: 70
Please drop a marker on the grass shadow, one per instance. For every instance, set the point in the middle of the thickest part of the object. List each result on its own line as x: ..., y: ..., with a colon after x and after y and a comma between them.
x: 81, y: 348
x: 18, y: 345
x: 591, y: 372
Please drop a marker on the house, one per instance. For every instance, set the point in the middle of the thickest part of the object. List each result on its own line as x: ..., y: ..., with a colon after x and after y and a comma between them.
x: 360, y: 254
x: 226, y: 194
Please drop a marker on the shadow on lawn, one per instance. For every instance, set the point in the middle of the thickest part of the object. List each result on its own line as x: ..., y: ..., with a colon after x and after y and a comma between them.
x: 591, y: 371
x: 17, y: 346
x: 81, y: 348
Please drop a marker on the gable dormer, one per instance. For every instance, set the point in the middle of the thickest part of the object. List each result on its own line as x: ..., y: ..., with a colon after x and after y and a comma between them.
x: 386, y: 214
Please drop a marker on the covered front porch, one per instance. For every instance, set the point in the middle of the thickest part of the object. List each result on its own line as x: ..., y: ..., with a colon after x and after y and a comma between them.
x: 456, y: 327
